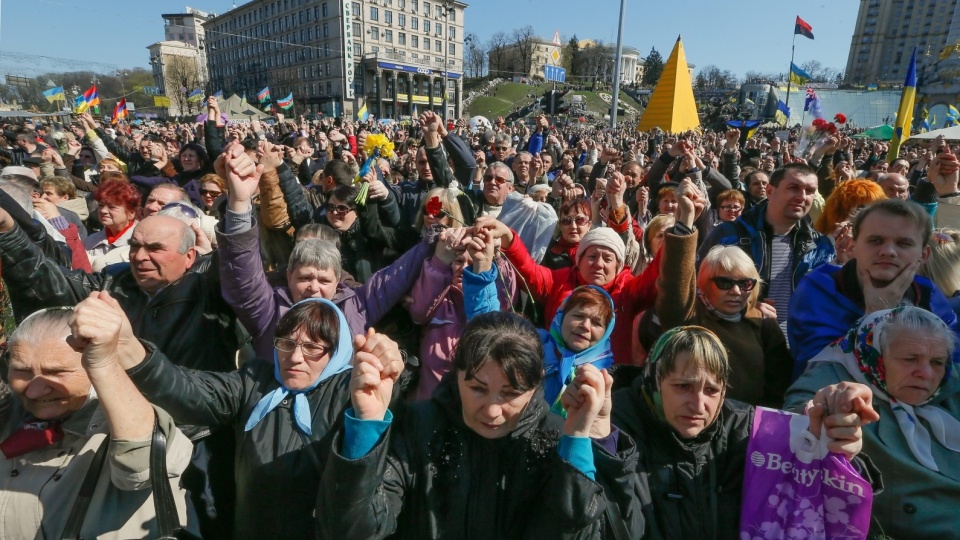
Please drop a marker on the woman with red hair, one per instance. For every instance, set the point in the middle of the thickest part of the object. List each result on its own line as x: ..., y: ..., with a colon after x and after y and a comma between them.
x: 118, y: 203
x: 846, y: 201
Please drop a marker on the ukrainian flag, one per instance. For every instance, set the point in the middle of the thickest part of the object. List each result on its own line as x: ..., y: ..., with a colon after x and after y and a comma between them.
x: 783, y: 113
x: 87, y: 99
x: 797, y: 75
x: 54, y: 94
x: 901, y: 131
x: 362, y: 114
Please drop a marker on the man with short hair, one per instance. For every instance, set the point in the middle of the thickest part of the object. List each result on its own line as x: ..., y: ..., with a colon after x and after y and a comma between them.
x: 783, y: 245
x: 891, y: 240
x: 162, y: 195
x: 895, y: 185
x: 498, y: 182
x: 758, y: 187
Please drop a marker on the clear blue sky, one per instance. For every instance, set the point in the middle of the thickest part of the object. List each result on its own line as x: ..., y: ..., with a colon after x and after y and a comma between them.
x: 104, y: 35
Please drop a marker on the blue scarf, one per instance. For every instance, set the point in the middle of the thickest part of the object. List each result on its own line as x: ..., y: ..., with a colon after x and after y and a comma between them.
x: 339, y: 362
x: 560, y: 362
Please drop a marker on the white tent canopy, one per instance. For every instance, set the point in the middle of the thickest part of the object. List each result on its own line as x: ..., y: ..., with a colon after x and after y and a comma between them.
x: 951, y: 133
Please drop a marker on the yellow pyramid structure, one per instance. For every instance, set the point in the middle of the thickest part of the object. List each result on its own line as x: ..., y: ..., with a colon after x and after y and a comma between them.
x: 672, y: 107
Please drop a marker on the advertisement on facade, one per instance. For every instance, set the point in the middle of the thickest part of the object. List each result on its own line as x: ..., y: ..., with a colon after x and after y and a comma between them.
x: 347, y: 32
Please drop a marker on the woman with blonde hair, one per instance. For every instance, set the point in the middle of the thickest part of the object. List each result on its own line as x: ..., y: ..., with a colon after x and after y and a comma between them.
x: 942, y: 267
x: 722, y: 297
x: 845, y: 202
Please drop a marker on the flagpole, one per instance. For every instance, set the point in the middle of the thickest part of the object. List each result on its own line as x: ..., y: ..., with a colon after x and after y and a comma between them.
x: 793, y: 50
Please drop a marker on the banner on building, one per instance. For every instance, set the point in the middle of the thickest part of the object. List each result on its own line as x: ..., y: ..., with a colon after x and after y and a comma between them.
x: 347, y: 33
x: 161, y: 101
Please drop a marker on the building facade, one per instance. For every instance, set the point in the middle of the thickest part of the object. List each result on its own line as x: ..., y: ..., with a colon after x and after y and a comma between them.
x: 336, y: 56
x: 886, y: 33
x: 510, y: 62
x: 180, y: 61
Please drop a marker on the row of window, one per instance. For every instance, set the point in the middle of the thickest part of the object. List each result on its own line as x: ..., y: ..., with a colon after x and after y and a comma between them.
x: 268, y: 11
x: 414, y: 22
x: 438, y: 10
x: 387, y: 36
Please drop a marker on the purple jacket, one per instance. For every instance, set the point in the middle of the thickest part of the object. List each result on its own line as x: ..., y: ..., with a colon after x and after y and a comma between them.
x: 259, y: 307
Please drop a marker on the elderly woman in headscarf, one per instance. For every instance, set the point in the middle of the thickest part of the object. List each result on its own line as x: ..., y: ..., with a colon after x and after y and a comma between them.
x: 904, y: 355
x: 281, y: 412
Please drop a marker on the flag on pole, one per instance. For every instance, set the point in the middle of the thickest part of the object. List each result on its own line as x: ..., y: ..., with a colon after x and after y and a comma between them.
x: 244, y: 98
x: 264, y: 95
x: 54, y: 94
x: 812, y: 104
x: 797, y: 75
x: 803, y: 28
x: 286, y: 102
x: 219, y: 94
x: 783, y: 113
x: 362, y: 114
x: 196, y: 95
x: 901, y: 130
x: 87, y: 99
x: 120, y: 111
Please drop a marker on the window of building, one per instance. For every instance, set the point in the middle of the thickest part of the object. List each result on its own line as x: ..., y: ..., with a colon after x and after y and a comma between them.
x: 401, y: 19
x: 356, y: 9
x: 426, y: 8
x: 374, y: 14
x: 356, y: 29
x: 326, y: 49
x: 402, y: 38
x: 357, y: 51
x: 388, y: 16
x: 413, y: 5
x: 438, y: 11
x: 374, y: 33
x: 388, y: 36
x: 438, y: 29
x: 414, y: 23
x: 426, y: 44
x: 438, y: 45
x: 326, y: 30
x: 452, y: 49
x: 401, y: 4
x: 414, y: 41
x: 426, y: 26
x: 453, y: 32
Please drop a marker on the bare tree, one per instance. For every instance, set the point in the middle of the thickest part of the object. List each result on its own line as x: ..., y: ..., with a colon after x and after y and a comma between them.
x: 713, y: 78
x: 820, y: 73
x: 182, y: 78
x: 497, y: 47
x: 476, y: 56
x: 524, y: 40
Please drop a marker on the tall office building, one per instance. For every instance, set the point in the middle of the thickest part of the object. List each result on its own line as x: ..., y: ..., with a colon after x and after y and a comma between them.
x: 335, y: 56
x: 886, y: 33
x: 179, y: 61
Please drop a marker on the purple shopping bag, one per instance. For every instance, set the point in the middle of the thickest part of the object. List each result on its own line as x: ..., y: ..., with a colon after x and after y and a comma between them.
x: 794, y: 488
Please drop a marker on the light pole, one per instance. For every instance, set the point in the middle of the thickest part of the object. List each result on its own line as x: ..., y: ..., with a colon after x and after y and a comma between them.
x: 616, y: 69
x: 446, y: 55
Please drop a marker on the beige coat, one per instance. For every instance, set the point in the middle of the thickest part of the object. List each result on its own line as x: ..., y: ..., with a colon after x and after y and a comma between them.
x: 37, y: 490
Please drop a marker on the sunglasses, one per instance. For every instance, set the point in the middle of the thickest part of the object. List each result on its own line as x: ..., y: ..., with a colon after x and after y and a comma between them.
x: 501, y: 148
x: 338, y: 208
x: 310, y: 350
x: 579, y: 220
x: 725, y: 283
x: 496, y: 179
x: 211, y: 192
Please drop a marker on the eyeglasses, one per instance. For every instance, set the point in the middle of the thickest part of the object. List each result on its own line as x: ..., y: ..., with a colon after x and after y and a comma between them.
x: 183, y: 207
x: 498, y: 180
x: 729, y: 208
x: 215, y: 193
x: 501, y: 148
x: 310, y: 350
x: 579, y: 220
x: 725, y: 283
x: 338, y: 208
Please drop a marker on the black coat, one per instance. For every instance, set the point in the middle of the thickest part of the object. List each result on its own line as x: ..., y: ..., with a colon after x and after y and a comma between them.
x: 277, y: 476
x: 692, y: 488
x: 188, y: 319
x: 430, y: 476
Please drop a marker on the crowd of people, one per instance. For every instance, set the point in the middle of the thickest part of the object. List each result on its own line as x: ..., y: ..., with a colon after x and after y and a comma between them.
x: 345, y: 329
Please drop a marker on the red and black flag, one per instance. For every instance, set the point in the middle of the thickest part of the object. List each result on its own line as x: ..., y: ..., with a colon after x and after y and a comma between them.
x: 803, y: 28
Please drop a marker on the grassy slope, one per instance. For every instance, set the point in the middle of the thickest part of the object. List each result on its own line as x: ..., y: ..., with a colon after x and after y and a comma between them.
x: 508, y: 96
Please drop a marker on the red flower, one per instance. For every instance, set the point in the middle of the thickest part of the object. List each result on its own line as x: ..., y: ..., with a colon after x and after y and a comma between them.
x: 832, y: 128
x: 434, y: 207
x: 819, y: 123
x: 840, y: 118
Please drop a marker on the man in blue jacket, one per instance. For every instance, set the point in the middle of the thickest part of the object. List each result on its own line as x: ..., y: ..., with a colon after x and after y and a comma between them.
x: 776, y: 235
x: 891, y: 240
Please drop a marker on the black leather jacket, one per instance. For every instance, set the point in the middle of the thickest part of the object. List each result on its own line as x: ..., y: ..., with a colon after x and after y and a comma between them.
x: 188, y: 319
x: 430, y: 476
x: 277, y: 476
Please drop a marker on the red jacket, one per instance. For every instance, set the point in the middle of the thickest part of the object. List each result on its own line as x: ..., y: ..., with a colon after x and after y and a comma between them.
x: 631, y: 295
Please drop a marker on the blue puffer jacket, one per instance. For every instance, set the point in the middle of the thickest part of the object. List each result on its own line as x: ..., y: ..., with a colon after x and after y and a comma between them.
x: 750, y: 231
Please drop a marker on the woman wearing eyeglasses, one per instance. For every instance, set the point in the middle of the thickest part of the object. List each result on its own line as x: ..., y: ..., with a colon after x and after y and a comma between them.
x: 721, y: 298
x: 281, y: 412
x: 575, y: 220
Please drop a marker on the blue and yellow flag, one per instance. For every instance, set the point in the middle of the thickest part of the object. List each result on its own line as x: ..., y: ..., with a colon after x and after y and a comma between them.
x: 901, y: 130
x: 362, y: 114
x: 54, y: 94
x: 87, y: 99
x: 783, y: 113
x: 196, y: 95
x: 797, y: 75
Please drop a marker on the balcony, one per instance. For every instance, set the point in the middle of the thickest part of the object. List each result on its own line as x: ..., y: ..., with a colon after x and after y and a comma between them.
x: 455, y: 65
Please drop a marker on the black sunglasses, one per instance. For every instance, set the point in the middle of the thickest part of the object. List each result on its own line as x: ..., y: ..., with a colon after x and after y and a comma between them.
x: 725, y: 283
x: 338, y: 208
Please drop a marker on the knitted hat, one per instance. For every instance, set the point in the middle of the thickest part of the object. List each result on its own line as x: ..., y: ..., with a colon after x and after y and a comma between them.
x: 603, y: 237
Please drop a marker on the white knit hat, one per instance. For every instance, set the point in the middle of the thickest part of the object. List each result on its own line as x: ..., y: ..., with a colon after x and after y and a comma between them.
x: 605, y: 238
